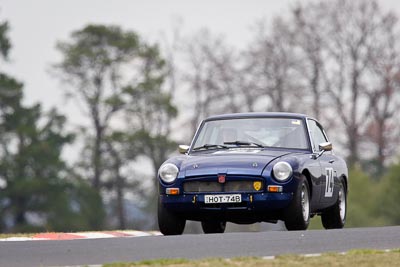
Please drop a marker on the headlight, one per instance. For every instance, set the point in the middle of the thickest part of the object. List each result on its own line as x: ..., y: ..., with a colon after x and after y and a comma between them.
x: 282, y: 171
x: 168, y: 172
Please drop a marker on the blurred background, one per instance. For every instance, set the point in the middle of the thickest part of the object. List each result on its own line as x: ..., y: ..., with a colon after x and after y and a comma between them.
x: 95, y: 95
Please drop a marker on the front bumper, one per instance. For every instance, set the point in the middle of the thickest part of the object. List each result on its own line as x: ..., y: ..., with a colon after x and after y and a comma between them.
x: 254, y: 206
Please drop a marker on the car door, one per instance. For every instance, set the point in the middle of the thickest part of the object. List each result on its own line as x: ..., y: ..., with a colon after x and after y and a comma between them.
x: 327, y: 163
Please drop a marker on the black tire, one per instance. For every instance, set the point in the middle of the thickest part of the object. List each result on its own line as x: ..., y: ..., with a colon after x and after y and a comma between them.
x: 168, y: 222
x: 335, y: 216
x: 297, y: 215
x: 213, y: 227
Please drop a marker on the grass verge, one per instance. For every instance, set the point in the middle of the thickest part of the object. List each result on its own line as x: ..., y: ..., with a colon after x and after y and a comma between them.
x: 359, y: 258
x: 2, y: 236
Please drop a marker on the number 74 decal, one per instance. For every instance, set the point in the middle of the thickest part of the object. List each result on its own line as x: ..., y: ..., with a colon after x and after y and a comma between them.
x: 330, y: 182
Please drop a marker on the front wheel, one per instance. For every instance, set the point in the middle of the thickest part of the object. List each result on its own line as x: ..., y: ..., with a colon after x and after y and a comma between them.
x: 335, y: 216
x: 213, y: 227
x: 297, y: 215
x: 168, y: 222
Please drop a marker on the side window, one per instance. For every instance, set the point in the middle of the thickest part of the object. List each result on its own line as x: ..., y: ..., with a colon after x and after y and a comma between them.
x: 317, y: 135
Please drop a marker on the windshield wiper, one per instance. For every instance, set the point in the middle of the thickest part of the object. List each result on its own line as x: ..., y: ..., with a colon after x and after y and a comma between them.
x: 243, y: 143
x: 209, y: 146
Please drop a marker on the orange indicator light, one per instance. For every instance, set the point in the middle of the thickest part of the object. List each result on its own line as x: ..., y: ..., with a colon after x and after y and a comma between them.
x: 275, y: 188
x: 172, y: 191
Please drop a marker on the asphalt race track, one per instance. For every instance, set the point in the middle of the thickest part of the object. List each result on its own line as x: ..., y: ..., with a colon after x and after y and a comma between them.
x: 99, y: 251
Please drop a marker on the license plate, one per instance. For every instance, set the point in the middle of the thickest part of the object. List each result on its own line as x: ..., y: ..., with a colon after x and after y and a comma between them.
x: 213, y: 199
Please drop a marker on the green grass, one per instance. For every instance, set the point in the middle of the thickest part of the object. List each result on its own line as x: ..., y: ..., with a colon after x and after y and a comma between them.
x: 359, y: 258
x: 16, y: 235
x: 159, y: 262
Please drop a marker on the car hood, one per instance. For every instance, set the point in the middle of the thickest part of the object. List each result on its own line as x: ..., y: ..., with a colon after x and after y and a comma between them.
x: 236, y: 161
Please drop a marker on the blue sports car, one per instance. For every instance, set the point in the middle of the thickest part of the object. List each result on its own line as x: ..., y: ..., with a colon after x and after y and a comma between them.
x: 253, y: 167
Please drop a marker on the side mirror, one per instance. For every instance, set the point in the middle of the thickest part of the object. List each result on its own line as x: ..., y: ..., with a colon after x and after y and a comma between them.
x: 323, y: 147
x: 183, y: 149
x: 327, y: 146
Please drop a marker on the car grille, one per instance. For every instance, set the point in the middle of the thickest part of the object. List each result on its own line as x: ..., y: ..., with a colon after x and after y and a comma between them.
x: 211, y: 186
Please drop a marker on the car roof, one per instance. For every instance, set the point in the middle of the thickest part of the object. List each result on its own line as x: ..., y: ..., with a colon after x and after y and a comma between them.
x: 258, y: 115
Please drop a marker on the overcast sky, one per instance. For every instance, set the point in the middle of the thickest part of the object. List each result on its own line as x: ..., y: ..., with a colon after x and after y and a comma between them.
x: 37, y: 25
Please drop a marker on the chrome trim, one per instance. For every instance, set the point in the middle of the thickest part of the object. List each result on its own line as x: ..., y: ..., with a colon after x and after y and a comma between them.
x: 327, y: 146
x: 305, y: 203
x: 309, y: 135
x: 208, y: 119
x: 183, y: 149
x: 195, y: 137
x: 287, y: 178
x: 342, y: 204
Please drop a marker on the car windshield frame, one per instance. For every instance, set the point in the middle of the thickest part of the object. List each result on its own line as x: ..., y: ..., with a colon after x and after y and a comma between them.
x: 212, y: 147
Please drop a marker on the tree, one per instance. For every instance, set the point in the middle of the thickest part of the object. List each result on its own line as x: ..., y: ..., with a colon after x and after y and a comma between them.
x: 118, y: 78
x: 36, y: 190
x: 91, y: 65
x: 347, y: 53
x: 31, y: 168
x: 150, y: 110
x: 351, y: 45
x: 384, y: 96
x: 10, y: 89
x: 211, y: 77
x: 5, y: 43
x: 149, y: 114
x: 38, y: 194
x: 387, y: 203
x: 363, y: 194
x: 309, y: 41
x: 272, y: 63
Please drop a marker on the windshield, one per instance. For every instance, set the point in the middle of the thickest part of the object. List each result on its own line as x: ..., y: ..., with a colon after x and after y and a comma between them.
x: 254, y: 132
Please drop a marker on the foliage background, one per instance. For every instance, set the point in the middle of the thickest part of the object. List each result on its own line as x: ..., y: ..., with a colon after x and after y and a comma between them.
x: 335, y: 60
